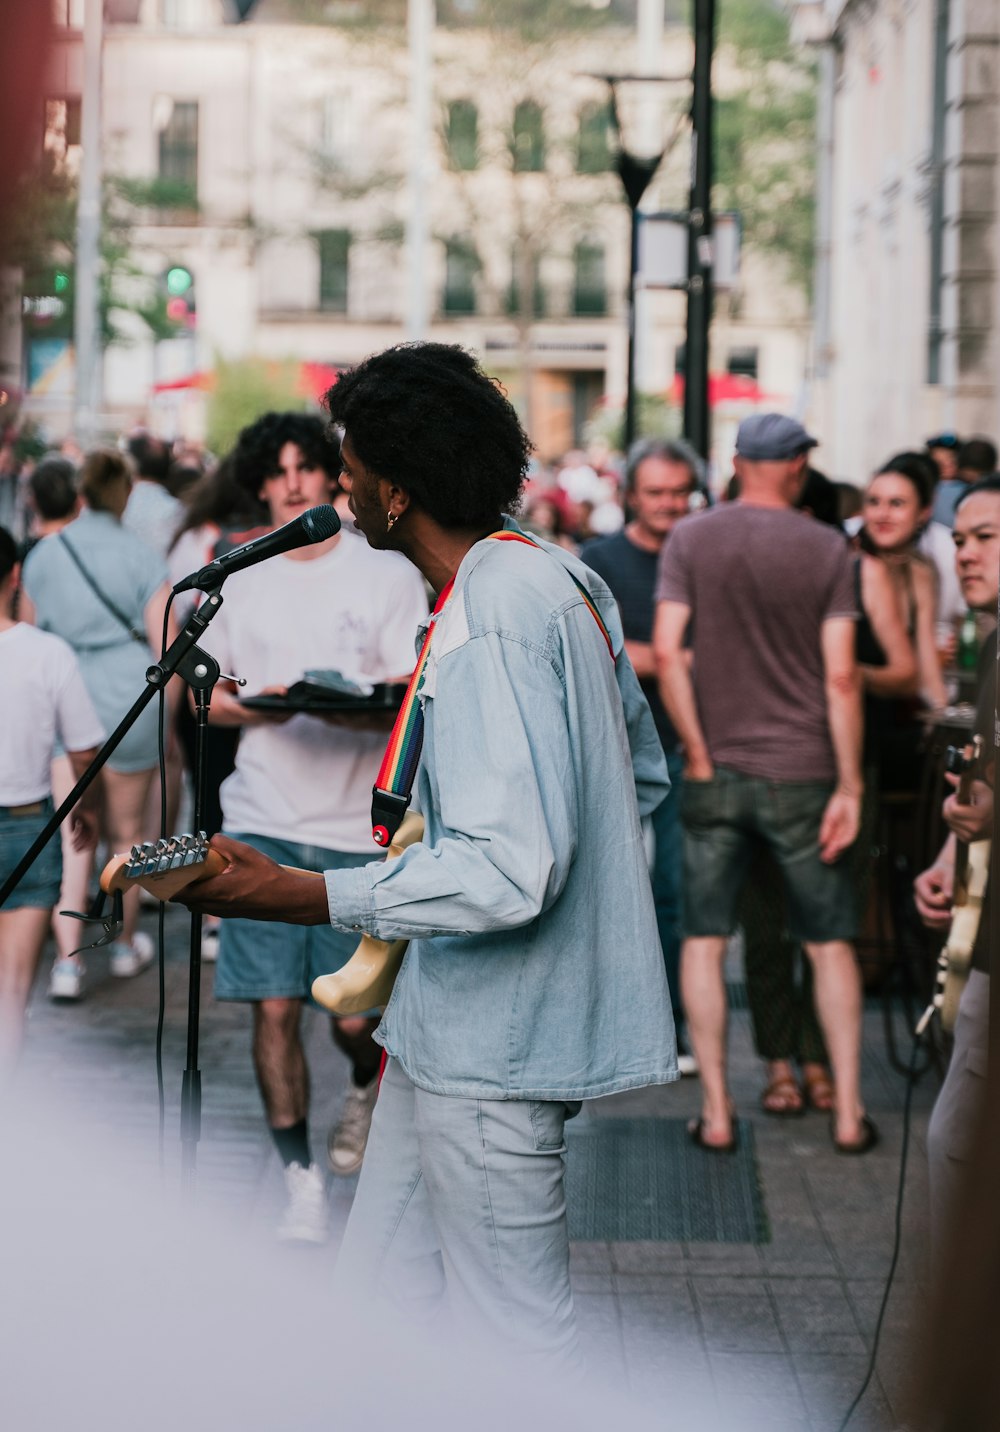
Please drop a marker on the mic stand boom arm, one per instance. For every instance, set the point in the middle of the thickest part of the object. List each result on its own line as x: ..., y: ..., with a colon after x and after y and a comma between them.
x: 182, y: 658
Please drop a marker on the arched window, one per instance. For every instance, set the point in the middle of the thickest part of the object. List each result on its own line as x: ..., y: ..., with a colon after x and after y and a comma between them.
x: 461, y: 267
x: 590, y: 296
x: 462, y: 134
x: 528, y: 146
x: 594, y: 140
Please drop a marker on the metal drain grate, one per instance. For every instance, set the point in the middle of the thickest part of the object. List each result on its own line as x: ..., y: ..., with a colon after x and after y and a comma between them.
x: 636, y: 1179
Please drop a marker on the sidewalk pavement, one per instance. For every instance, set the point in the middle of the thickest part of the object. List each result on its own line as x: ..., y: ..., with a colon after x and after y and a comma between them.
x: 775, y: 1334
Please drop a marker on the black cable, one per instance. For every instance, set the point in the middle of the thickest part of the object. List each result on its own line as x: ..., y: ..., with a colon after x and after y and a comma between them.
x: 161, y: 914
x: 912, y: 1078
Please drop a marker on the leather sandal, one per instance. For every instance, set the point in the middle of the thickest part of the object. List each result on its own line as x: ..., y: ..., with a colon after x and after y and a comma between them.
x: 696, y: 1133
x: 782, y: 1098
x: 819, y: 1091
x: 869, y: 1138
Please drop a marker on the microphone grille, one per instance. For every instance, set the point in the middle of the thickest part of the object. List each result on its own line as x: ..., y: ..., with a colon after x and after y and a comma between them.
x: 320, y: 523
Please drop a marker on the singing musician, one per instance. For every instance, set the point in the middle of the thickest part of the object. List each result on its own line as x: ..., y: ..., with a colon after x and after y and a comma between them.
x: 534, y: 977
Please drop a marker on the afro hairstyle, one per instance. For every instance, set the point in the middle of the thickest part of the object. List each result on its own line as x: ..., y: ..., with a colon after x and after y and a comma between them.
x: 426, y: 416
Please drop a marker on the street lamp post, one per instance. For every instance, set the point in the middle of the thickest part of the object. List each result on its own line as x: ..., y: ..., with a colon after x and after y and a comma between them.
x: 699, y: 301
x: 636, y: 175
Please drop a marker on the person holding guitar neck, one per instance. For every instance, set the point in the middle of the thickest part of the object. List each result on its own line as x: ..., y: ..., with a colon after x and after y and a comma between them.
x: 977, y: 559
x: 534, y: 977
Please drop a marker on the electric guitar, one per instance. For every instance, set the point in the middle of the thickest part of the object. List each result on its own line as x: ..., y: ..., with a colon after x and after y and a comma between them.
x: 972, y: 869
x: 166, y: 867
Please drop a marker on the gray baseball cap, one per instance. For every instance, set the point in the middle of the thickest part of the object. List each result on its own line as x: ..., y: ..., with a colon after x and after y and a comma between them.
x: 771, y: 437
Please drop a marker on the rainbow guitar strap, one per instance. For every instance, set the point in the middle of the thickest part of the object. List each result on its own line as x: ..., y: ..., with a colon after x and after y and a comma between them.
x: 393, y: 788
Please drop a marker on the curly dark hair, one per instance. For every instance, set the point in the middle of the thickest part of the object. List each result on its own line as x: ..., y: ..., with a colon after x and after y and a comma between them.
x: 425, y: 415
x: 255, y: 456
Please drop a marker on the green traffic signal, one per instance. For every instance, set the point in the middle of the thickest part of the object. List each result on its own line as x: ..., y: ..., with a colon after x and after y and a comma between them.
x: 60, y: 281
x: 178, y: 280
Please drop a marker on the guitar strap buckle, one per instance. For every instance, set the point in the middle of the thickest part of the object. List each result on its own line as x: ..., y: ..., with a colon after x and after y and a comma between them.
x: 388, y: 810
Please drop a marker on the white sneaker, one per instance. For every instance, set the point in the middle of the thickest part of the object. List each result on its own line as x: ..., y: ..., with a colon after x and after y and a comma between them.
x: 66, y: 979
x: 131, y: 959
x: 305, y: 1216
x: 209, y: 944
x: 348, y: 1139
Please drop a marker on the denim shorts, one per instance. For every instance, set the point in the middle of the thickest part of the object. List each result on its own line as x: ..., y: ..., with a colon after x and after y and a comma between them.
x: 260, y: 960
x: 725, y: 819
x: 39, y: 888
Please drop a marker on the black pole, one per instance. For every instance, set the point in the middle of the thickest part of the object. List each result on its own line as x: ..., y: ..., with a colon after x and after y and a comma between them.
x: 201, y: 679
x: 630, y: 376
x: 993, y: 1064
x: 699, y: 305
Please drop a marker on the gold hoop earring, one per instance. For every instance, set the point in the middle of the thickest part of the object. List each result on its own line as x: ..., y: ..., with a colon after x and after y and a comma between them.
x: 391, y: 522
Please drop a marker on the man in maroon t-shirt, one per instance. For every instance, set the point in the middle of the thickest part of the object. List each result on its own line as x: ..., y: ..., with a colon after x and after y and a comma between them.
x: 768, y: 710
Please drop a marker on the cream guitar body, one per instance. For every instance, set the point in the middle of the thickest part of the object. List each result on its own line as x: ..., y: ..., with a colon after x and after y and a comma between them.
x: 366, y: 981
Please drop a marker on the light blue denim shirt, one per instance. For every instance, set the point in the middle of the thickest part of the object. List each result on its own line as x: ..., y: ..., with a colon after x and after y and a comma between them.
x: 534, y: 969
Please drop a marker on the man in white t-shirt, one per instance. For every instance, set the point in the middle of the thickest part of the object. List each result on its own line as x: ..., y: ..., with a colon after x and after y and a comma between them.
x: 44, y: 699
x: 301, y: 791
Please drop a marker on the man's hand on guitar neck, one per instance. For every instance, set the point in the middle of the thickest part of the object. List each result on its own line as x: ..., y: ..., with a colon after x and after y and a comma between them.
x: 255, y: 887
x: 974, y: 821
x: 934, y: 889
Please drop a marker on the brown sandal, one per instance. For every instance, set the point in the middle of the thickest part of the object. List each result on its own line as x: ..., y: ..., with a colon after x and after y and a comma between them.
x: 782, y: 1098
x: 819, y: 1092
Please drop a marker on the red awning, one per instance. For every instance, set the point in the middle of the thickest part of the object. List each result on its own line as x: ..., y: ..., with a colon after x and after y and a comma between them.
x: 727, y: 388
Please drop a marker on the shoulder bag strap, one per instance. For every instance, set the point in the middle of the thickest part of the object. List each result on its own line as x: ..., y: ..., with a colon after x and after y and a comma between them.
x: 105, y: 600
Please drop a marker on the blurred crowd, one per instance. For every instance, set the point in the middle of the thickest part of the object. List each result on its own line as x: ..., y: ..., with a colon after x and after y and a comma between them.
x: 101, y: 536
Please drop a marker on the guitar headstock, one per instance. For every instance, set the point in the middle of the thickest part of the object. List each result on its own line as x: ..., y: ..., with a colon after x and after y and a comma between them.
x: 163, y: 867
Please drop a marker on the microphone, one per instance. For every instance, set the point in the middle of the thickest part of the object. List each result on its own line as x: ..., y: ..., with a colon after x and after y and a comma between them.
x: 316, y: 525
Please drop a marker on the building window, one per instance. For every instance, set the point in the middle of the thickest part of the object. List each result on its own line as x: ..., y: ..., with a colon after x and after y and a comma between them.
x: 590, y: 296
x: 334, y: 254
x: 179, y: 148
x: 61, y: 141
x: 742, y: 363
x: 528, y: 148
x: 462, y: 134
x: 537, y: 291
x: 68, y: 14
x: 594, y: 148
x: 461, y: 267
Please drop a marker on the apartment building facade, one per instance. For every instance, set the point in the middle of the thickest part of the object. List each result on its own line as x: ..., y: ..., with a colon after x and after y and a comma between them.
x: 275, y: 159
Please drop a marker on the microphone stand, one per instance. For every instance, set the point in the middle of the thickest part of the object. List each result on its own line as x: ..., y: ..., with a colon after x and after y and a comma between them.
x: 200, y: 671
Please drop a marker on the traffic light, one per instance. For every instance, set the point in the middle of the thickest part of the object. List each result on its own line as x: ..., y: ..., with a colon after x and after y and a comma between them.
x: 178, y: 284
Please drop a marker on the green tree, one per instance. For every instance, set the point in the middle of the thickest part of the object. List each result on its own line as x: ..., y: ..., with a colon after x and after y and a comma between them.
x: 41, y: 242
x: 244, y: 389
x: 765, y: 135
